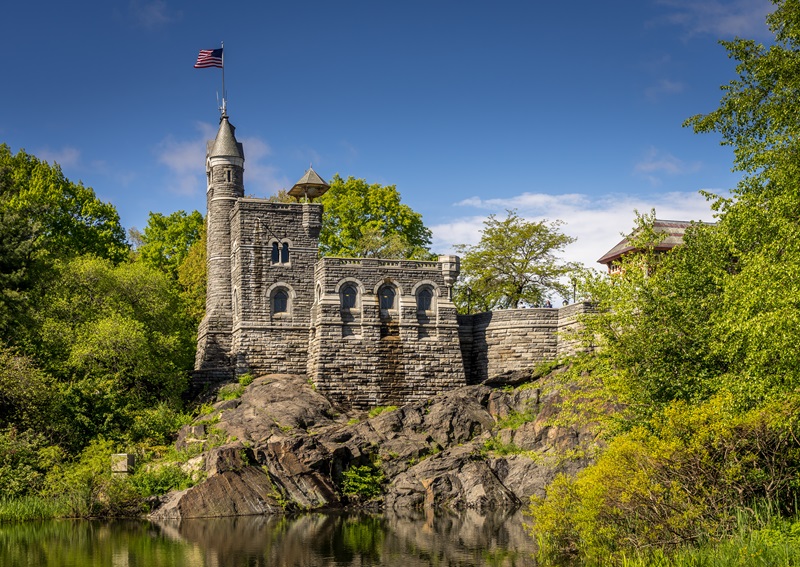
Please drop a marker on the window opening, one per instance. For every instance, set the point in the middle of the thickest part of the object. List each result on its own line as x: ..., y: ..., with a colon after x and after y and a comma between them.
x: 387, y: 296
x: 280, y: 301
x: 285, y: 253
x: 349, y: 296
x: 424, y: 299
x: 275, y: 256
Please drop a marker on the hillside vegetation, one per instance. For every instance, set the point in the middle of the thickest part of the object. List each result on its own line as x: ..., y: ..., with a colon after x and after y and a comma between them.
x: 699, y: 346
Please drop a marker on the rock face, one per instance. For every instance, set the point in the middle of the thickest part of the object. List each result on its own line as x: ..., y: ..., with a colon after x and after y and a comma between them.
x: 283, y: 446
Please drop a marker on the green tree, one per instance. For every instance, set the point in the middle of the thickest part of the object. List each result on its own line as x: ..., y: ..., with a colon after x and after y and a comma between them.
x: 514, y: 261
x: 700, y: 347
x: 363, y: 220
x: 116, y: 341
x: 166, y: 240
x: 66, y: 219
x: 45, y: 217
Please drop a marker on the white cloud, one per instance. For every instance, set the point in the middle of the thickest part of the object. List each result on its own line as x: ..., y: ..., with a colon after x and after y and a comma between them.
x: 261, y: 179
x: 186, y: 158
x: 719, y: 18
x: 663, y: 88
x: 151, y: 15
x: 67, y: 156
x: 657, y: 162
x: 597, y: 222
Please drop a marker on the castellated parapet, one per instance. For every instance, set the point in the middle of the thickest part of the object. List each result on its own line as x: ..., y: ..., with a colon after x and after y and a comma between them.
x: 367, y: 332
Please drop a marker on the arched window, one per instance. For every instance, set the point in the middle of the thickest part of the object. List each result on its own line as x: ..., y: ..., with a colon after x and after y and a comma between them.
x: 275, y: 255
x: 387, y: 296
x: 280, y: 301
x: 424, y: 300
x: 349, y: 296
x: 285, y: 253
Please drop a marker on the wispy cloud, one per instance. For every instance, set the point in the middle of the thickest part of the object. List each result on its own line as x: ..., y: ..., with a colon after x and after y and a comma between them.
x: 151, y: 15
x: 262, y: 179
x: 596, y: 222
x: 67, y: 156
x: 185, y: 160
x: 656, y: 163
x: 719, y: 18
x: 663, y: 88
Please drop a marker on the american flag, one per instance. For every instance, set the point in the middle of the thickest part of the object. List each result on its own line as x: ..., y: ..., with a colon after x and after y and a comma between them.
x: 209, y: 58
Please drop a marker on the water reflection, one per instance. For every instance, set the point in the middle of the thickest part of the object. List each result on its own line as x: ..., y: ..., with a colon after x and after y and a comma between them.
x: 313, y: 540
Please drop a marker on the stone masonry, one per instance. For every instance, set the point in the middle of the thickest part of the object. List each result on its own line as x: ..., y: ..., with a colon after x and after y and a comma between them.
x: 367, y: 332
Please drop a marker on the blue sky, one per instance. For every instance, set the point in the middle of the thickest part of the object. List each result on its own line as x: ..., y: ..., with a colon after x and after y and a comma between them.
x: 562, y: 110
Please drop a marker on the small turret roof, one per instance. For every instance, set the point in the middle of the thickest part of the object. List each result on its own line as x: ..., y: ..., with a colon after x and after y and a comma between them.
x: 225, y: 143
x: 310, y: 185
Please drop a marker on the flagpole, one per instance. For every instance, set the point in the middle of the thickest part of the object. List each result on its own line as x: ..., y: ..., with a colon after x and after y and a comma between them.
x: 224, y: 104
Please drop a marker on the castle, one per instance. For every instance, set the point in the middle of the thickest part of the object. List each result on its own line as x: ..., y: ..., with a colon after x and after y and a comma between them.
x: 366, y: 332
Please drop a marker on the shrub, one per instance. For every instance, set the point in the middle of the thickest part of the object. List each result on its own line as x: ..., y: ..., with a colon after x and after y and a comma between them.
x: 677, y: 482
x: 363, y: 481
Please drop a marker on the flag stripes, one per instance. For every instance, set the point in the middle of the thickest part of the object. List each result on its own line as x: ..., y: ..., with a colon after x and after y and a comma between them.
x: 209, y: 58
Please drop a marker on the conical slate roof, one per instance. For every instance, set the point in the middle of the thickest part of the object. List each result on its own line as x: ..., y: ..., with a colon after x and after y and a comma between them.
x: 310, y: 185
x: 225, y: 143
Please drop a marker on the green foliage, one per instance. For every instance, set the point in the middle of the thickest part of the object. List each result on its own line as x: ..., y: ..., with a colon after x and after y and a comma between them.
x: 156, y: 480
x: 675, y: 483
x: 230, y: 392
x: 44, y: 217
x: 363, y: 481
x: 246, y: 379
x: 515, y: 261
x: 27, y: 508
x: 762, y: 537
x: 156, y: 426
x: 362, y: 220
x: 166, y: 240
x: 115, y: 341
x: 25, y: 457
x: 192, y: 278
x: 377, y: 410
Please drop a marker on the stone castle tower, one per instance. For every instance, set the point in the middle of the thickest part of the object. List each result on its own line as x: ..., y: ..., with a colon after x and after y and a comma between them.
x: 224, y: 187
x: 366, y: 331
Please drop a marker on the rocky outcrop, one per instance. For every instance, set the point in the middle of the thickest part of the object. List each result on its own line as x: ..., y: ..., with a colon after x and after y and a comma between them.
x: 285, y: 447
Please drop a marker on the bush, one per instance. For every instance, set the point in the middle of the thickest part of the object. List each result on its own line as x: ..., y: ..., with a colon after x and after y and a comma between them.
x: 677, y: 482
x: 155, y: 481
x: 363, y: 482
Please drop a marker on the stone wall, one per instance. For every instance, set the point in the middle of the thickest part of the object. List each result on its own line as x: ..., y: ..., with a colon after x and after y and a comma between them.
x: 225, y: 187
x: 515, y: 339
x: 263, y: 340
x: 365, y: 356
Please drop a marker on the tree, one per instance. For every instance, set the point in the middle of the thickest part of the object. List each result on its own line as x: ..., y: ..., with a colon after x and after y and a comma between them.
x: 514, y: 261
x: 166, y: 240
x: 66, y: 219
x: 369, y: 220
x: 192, y: 278
x: 116, y: 341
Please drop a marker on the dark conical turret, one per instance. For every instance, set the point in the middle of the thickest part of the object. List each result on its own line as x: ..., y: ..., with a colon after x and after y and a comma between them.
x: 225, y: 144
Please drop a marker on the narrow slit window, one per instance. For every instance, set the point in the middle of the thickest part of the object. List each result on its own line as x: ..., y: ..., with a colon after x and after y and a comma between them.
x: 285, y: 253
x: 275, y: 255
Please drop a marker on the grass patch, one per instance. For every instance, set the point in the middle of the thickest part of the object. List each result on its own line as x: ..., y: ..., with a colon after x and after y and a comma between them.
x: 26, y: 508
x: 515, y: 419
x: 376, y: 411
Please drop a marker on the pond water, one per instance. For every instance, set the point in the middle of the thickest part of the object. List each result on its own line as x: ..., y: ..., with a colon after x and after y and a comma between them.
x: 313, y: 540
